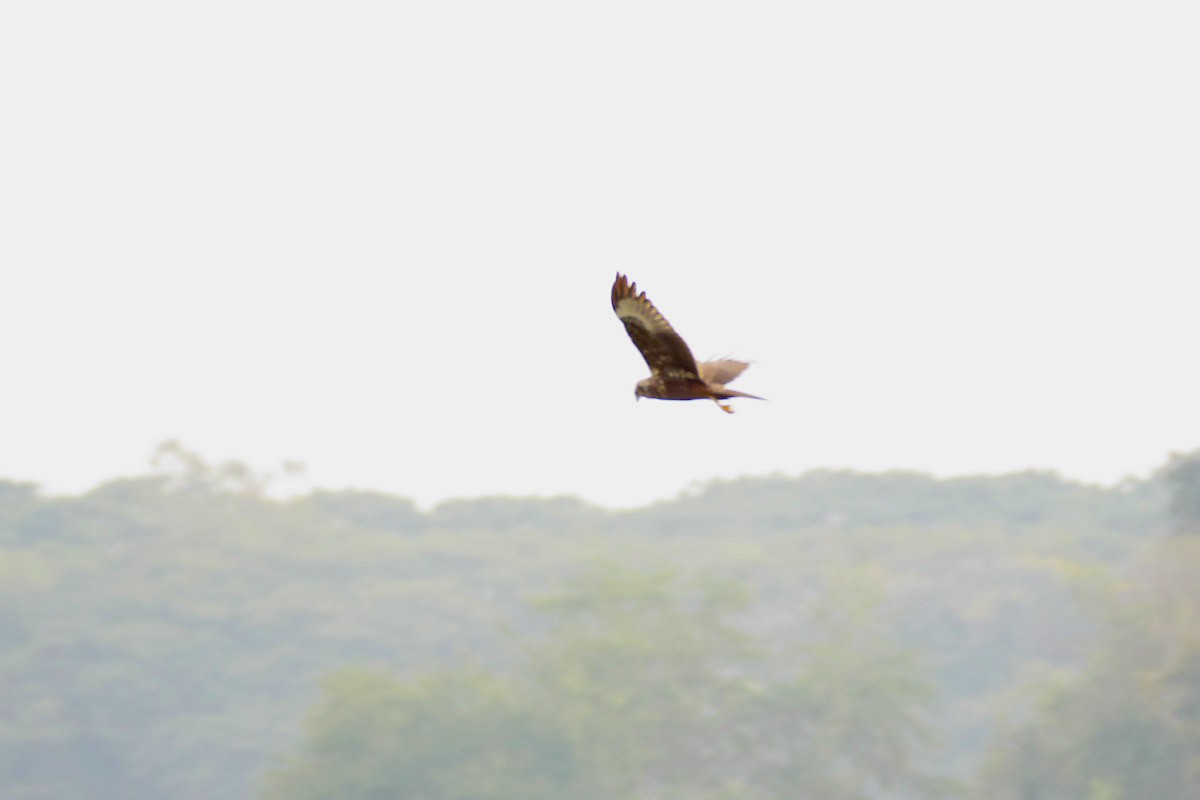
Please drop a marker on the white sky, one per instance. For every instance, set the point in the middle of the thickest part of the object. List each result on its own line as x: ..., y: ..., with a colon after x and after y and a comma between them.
x: 378, y: 238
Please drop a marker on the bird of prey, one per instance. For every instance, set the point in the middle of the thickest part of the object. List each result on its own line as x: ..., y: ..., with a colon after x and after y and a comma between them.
x: 674, y: 373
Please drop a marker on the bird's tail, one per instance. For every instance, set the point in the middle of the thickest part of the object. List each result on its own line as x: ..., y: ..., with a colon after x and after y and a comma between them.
x: 724, y: 393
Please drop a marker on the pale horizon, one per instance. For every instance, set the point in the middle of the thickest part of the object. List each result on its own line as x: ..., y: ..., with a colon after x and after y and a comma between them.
x: 290, y: 479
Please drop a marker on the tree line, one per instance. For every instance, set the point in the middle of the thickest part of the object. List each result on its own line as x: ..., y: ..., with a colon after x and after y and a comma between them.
x: 182, y: 634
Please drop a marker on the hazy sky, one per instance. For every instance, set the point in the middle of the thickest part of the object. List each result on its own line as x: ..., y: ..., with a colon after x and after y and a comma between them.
x: 378, y: 238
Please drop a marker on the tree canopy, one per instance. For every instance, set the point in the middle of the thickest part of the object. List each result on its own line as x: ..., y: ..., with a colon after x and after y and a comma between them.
x: 182, y: 634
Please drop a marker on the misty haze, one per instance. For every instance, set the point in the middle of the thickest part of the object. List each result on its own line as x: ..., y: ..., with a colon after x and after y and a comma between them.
x: 182, y: 635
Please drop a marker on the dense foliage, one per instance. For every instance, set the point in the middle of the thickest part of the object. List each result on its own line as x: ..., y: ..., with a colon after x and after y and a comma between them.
x: 643, y: 687
x: 182, y: 635
x: 1182, y: 476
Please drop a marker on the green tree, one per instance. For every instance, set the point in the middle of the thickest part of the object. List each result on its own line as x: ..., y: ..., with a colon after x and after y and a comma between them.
x: 454, y: 735
x: 1182, y: 475
x: 853, y: 721
x: 642, y: 687
x: 1129, y: 726
x: 644, y: 669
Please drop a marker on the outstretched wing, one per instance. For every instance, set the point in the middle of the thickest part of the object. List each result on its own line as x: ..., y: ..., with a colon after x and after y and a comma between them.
x: 722, y: 370
x: 665, y: 351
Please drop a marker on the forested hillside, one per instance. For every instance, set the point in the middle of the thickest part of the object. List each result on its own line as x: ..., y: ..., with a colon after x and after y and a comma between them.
x: 182, y: 635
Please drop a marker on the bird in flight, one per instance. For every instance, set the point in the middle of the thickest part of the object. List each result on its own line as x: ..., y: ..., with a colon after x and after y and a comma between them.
x: 674, y: 373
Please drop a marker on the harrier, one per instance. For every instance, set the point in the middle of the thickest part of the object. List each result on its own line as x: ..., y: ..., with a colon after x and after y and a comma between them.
x: 674, y: 373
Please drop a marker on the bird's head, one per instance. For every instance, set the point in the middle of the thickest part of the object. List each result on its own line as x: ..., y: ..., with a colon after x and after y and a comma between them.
x: 642, y: 389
